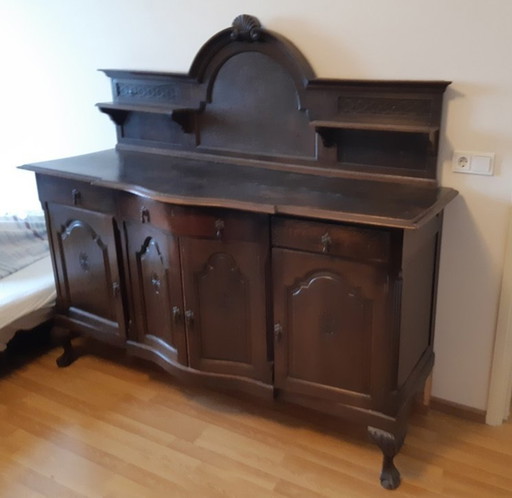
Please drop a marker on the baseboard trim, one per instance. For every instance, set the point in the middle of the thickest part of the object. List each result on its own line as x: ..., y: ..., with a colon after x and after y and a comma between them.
x: 458, y: 410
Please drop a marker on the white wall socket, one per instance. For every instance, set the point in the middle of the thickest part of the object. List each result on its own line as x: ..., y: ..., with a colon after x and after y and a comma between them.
x: 476, y: 163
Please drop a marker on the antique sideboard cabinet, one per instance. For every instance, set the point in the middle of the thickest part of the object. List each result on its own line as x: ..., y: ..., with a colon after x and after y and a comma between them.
x: 260, y: 229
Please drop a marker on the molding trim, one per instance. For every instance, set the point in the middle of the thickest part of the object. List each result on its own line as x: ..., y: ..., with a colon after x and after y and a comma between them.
x: 500, y: 385
x: 458, y: 410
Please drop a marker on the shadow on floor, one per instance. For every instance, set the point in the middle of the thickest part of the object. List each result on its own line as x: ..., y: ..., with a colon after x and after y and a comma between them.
x: 24, y: 347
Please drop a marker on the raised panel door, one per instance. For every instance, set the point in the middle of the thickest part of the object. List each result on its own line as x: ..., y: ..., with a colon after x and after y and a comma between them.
x: 156, y: 295
x: 226, y: 309
x: 328, y: 315
x: 88, y: 279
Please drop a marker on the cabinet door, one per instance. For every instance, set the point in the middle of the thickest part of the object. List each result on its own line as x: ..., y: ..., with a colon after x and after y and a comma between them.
x: 157, y: 301
x: 327, y: 311
x: 87, y: 270
x: 225, y: 300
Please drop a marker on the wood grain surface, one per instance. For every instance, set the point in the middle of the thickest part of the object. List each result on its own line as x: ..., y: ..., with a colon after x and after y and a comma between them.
x: 241, y: 185
x: 110, y: 427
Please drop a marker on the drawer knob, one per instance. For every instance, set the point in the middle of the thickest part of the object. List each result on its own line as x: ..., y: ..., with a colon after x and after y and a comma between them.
x: 326, y: 242
x: 219, y: 228
x: 75, y: 196
x: 144, y: 214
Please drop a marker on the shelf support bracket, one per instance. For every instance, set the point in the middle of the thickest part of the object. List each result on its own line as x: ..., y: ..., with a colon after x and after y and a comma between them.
x: 118, y: 116
x: 327, y: 136
x: 185, y: 119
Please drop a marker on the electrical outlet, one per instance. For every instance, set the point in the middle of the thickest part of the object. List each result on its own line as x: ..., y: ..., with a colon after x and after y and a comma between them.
x: 461, y: 162
x: 476, y: 163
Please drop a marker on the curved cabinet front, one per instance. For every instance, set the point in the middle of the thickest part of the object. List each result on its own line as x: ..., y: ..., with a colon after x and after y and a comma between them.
x: 155, y: 290
x: 198, y: 288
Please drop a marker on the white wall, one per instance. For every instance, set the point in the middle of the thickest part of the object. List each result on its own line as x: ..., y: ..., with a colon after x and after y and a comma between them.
x: 49, y: 86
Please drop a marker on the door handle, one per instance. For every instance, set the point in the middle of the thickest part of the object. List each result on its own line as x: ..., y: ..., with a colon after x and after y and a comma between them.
x: 116, y: 289
x: 278, y: 331
x: 189, y: 318
x: 176, y: 314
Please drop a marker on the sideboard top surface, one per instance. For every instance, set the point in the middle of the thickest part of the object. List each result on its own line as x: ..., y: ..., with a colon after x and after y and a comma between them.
x: 188, y: 181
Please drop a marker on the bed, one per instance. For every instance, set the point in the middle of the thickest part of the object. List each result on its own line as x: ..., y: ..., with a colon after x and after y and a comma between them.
x: 27, y: 286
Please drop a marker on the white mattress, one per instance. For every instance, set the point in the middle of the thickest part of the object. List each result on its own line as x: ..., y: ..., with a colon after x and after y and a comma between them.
x: 27, y: 290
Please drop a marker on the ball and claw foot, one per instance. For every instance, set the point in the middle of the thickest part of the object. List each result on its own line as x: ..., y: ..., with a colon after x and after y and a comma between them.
x: 68, y: 356
x: 390, y: 477
x: 390, y: 445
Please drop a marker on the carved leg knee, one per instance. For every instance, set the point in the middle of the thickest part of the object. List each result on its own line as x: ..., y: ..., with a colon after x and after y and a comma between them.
x: 390, y: 445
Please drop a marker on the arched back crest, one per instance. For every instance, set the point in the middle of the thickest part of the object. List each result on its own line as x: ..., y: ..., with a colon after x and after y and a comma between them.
x: 250, y: 94
x: 247, y: 35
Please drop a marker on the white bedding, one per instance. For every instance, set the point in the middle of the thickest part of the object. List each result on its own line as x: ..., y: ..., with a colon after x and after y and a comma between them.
x: 23, y: 240
x: 24, y: 291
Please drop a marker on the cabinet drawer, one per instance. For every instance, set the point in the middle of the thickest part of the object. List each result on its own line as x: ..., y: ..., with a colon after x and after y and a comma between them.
x: 207, y: 223
x: 338, y: 240
x: 222, y: 224
x: 144, y: 210
x: 75, y: 193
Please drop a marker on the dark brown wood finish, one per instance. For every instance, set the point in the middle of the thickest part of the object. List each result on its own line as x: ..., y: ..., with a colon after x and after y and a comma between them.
x: 88, y: 276
x: 325, y: 310
x: 194, y: 182
x: 261, y: 229
x: 417, y: 295
x: 157, y: 300
x: 224, y: 284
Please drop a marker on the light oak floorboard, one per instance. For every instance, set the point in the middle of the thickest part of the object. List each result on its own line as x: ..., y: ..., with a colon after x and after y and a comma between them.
x: 112, y: 427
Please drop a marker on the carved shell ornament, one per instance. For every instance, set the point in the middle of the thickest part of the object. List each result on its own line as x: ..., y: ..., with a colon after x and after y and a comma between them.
x: 246, y: 28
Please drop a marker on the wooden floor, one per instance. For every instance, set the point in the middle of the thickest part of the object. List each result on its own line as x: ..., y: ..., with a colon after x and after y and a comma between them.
x: 106, y: 427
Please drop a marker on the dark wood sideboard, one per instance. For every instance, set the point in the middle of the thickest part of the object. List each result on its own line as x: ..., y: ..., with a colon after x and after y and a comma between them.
x: 260, y: 229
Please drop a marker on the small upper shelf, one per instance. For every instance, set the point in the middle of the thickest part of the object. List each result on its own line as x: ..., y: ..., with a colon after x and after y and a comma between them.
x: 352, y: 125
x: 324, y: 129
x: 252, y: 95
x: 118, y: 112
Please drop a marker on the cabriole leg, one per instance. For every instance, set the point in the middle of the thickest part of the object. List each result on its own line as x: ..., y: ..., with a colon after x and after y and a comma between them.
x: 68, y: 356
x: 390, y: 445
x: 62, y: 337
